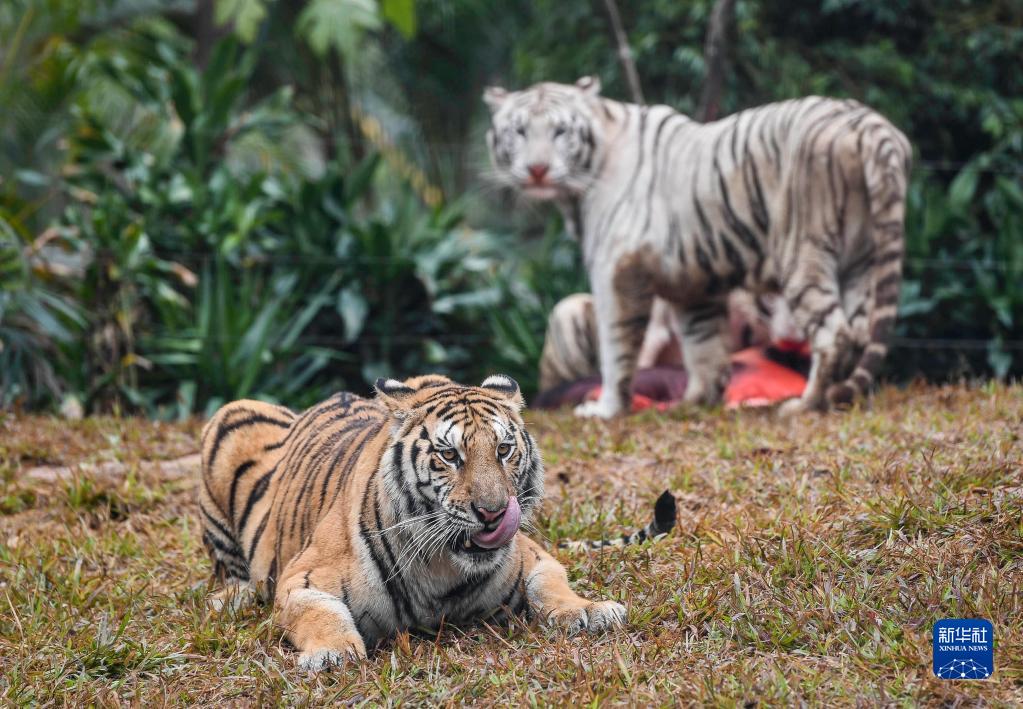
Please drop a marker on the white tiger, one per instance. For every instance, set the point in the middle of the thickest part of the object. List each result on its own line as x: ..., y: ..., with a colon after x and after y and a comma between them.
x: 805, y: 198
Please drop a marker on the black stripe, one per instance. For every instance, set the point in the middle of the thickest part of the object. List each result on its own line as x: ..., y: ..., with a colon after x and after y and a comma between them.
x: 225, y: 429
x: 238, y: 473
x: 383, y: 571
x: 257, y: 536
x: 224, y: 532
x: 258, y: 490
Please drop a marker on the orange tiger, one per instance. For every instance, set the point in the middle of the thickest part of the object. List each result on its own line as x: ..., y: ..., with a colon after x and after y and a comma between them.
x: 364, y: 517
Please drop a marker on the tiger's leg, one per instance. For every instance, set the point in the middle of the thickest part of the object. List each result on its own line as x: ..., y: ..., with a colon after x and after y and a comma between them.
x: 554, y: 601
x: 857, y: 304
x: 570, y: 344
x: 705, y: 351
x: 233, y: 458
x: 812, y: 294
x: 315, y: 620
x: 622, y: 298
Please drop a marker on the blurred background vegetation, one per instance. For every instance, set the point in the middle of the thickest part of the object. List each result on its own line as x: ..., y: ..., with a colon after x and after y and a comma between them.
x: 202, y: 200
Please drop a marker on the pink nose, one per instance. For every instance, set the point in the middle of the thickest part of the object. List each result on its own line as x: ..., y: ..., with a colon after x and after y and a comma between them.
x: 487, y: 515
x: 538, y: 170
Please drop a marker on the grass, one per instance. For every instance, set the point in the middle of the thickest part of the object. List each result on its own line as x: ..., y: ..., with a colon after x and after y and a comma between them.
x: 811, y: 561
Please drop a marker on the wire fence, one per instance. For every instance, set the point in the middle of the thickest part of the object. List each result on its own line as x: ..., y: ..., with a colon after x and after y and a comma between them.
x: 470, y: 340
x: 271, y: 259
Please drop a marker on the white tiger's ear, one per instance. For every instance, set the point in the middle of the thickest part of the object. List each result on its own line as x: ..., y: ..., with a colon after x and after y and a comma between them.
x: 505, y: 387
x: 589, y: 84
x: 394, y: 395
x: 494, y: 97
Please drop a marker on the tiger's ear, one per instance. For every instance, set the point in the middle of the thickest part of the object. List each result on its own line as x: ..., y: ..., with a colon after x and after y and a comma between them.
x: 395, y: 395
x: 494, y: 97
x: 505, y: 387
x: 589, y: 84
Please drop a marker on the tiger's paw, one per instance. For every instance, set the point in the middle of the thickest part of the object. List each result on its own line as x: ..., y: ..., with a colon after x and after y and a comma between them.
x: 796, y: 407
x: 593, y: 617
x: 596, y: 409
x: 329, y: 658
x: 233, y: 597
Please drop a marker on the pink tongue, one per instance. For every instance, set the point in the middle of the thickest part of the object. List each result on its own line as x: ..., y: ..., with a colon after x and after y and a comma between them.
x: 505, y: 529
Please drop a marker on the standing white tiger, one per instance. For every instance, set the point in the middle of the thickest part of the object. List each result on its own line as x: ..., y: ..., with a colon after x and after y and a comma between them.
x: 805, y: 198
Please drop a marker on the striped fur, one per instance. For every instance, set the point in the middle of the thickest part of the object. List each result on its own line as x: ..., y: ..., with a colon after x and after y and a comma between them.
x: 570, y: 344
x: 804, y: 198
x: 354, y: 516
x: 665, y: 516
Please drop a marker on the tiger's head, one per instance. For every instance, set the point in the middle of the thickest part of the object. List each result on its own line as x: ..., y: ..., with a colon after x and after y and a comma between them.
x: 544, y: 141
x: 463, y: 473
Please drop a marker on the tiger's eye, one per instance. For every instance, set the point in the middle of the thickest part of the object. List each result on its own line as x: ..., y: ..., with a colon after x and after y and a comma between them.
x: 449, y: 455
x: 503, y: 449
x: 559, y: 130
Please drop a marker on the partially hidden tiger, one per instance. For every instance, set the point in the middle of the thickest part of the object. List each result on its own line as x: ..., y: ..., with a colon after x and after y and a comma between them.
x: 364, y: 517
x: 804, y: 198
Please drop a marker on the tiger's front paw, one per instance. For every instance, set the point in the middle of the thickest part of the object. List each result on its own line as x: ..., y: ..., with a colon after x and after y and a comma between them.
x: 328, y: 658
x: 597, y: 409
x: 593, y: 617
x: 233, y: 597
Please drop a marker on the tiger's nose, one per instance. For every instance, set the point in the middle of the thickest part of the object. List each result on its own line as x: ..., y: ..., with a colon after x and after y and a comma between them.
x: 538, y: 170
x: 491, y: 513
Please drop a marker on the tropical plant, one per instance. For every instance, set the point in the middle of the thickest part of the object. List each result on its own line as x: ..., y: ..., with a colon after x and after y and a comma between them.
x: 546, y: 271
x: 209, y: 276
x: 35, y: 320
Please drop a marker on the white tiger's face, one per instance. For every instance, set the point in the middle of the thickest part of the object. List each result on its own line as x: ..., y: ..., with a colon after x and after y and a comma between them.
x: 544, y: 141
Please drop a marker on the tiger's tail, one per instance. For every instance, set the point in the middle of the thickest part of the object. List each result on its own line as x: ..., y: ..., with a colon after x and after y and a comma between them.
x: 887, y: 155
x: 665, y: 516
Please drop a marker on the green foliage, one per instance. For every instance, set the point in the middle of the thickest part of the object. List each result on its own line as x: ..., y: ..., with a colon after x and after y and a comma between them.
x: 206, y: 280
x: 337, y: 24
x: 547, y: 271
x: 246, y: 15
x: 966, y: 288
x: 184, y: 222
x: 35, y: 320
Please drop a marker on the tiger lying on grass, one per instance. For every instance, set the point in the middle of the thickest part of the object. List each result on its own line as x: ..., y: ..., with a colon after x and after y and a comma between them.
x: 364, y: 517
x: 803, y: 198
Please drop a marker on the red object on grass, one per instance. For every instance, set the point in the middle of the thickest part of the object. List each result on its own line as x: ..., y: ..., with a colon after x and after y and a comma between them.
x: 756, y: 381
x: 759, y: 381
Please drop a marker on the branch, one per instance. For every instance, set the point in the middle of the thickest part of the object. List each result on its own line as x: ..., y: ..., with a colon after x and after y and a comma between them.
x: 624, y: 52
x: 715, y: 53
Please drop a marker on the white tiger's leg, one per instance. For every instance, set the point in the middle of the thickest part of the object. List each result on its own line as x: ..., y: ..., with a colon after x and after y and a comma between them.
x: 622, y: 299
x: 704, y: 330
x: 660, y: 334
x: 570, y: 344
x: 813, y: 296
x: 857, y: 304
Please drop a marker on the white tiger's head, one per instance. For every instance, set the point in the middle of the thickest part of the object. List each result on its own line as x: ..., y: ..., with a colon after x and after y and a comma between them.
x: 544, y: 141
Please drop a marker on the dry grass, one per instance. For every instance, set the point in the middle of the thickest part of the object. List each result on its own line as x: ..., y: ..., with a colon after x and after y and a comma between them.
x: 811, y: 561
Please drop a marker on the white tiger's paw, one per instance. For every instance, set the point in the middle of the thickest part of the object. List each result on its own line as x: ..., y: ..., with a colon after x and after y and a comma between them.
x: 327, y: 659
x: 596, y: 409
x: 593, y: 617
x: 795, y: 407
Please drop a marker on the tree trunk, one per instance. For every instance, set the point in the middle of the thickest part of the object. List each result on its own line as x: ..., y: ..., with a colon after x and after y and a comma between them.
x: 715, y: 53
x: 624, y: 52
x: 206, y: 31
